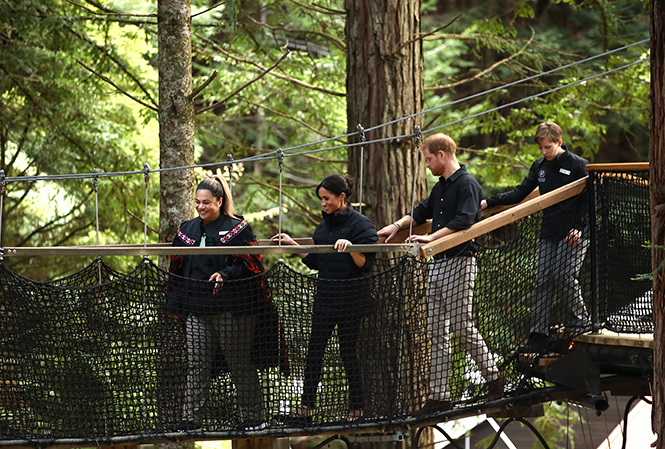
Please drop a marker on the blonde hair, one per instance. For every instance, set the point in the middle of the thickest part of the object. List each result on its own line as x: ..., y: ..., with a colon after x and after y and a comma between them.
x: 440, y: 142
x: 219, y: 188
x: 548, y: 130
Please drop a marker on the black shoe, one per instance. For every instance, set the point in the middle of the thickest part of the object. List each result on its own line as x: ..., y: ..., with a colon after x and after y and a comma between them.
x: 432, y: 406
x: 577, y: 327
x: 189, y: 426
x: 252, y: 425
x: 537, y: 343
x: 495, y: 387
x: 295, y: 420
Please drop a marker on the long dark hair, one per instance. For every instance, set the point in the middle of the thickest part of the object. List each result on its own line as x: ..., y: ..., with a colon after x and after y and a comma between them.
x: 219, y: 188
x: 337, y: 184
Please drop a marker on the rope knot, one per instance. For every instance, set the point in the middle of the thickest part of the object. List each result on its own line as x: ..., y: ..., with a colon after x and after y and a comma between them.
x: 95, y: 180
x: 419, y: 136
x: 361, y: 132
x: 280, y: 158
x: 146, y: 172
x: 229, y: 159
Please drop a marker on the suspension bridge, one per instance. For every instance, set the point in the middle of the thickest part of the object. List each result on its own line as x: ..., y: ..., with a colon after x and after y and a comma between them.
x: 96, y: 358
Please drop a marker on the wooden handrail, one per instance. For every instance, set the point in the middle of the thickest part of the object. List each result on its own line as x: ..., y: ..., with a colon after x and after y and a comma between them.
x: 160, y: 249
x: 531, y: 204
x: 498, y: 208
x: 504, y: 218
x: 624, y: 166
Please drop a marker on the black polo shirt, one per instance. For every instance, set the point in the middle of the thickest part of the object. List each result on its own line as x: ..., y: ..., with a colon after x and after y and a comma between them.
x: 561, y: 217
x: 453, y: 203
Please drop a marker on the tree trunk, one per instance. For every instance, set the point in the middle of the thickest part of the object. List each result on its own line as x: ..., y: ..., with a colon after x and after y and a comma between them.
x: 176, y: 137
x: 384, y: 82
x: 176, y: 115
x: 657, y: 186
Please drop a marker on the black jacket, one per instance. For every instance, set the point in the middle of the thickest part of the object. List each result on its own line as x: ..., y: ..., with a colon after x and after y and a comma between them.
x: 560, y: 218
x: 340, y: 289
x: 191, y: 292
x: 245, y: 290
x: 453, y: 203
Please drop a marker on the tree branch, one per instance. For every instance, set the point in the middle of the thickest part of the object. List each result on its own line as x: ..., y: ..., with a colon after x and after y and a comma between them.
x: 55, y: 126
x: 110, y: 13
x: 119, y: 64
x: 318, y: 8
x: 281, y: 114
x: 73, y: 232
x: 214, y: 105
x: 209, y: 9
x: 142, y: 222
x: 423, y: 36
x: 338, y: 42
x: 298, y: 203
x: 119, y: 89
x: 323, y: 159
x: 196, y: 91
x: 115, y: 20
x: 488, y: 70
x: 47, y: 226
x: 275, y: 74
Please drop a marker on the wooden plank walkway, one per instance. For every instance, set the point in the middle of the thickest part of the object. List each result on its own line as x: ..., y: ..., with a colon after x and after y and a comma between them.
x: 609, y: 338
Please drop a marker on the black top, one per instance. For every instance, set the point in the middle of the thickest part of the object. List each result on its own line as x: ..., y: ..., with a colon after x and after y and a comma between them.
x: 244, y: 292
x: 453, y: 203
x: 560, y: 218
x: 335, y: 297
x: 194, y: 293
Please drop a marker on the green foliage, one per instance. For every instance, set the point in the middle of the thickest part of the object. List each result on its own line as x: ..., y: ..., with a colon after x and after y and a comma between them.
x: 599, y: 116
x: 555, y: 426
x: 57, y: 117
x: 275, y: 111
x: 661, y: 266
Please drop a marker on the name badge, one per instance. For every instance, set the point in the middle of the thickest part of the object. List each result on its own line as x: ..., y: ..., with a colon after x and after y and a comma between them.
x: 564, y: 171
x: 222, y: 232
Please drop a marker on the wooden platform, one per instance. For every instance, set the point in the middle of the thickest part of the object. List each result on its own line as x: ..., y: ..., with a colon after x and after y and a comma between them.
x: 609, y: 338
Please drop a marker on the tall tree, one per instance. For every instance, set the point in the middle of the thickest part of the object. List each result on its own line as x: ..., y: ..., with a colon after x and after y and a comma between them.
x: 657, y: 188
x: 176, y: 114
x: 384, y: 81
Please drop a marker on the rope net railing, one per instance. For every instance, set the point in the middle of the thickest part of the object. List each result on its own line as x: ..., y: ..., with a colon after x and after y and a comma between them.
x: 623, y: 233
x: 102, y: 356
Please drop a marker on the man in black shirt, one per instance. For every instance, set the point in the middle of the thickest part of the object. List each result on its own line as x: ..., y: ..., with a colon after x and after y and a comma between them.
x: 564, y: 236
x: 453, y: 205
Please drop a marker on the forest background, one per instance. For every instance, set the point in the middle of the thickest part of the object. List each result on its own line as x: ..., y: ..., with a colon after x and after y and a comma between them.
x: 78, y: 91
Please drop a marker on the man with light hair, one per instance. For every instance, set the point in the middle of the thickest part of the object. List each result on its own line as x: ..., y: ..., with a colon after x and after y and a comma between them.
x: 563, y: 237
x: 453, y: 205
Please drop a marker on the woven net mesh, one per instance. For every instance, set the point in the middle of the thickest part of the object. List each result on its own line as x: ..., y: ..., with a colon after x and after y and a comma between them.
x: 99, y: 355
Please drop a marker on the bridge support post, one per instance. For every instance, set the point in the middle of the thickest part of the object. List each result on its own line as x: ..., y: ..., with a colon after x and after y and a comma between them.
x: 261, y: 443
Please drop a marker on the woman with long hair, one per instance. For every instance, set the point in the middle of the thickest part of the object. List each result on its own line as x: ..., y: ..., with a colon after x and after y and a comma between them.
x: 225, y: 304
x: 343, y: 291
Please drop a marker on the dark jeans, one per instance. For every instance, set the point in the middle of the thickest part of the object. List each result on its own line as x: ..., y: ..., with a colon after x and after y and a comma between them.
x: 348, y: 329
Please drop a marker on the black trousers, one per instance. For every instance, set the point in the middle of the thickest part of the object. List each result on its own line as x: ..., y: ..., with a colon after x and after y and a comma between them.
x: 348, y: 329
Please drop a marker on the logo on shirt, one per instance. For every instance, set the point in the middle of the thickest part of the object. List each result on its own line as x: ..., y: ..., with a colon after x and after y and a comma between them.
x: 541, y: 176
x: 564, y: 171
